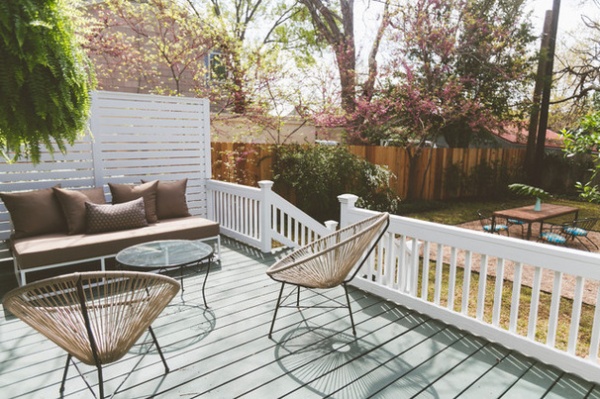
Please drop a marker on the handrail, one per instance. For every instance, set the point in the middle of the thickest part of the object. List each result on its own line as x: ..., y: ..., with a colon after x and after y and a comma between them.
x: 239, y: 210
x: 419, y: 282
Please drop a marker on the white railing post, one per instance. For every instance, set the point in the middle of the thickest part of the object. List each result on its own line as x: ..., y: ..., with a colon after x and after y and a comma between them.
x: 210, y: 203
x: 347, y: 202
x: 265, y: 214
x: 331, y: 225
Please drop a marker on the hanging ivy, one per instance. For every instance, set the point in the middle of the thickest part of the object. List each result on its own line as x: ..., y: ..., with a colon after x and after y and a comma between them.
x: 45, y: 82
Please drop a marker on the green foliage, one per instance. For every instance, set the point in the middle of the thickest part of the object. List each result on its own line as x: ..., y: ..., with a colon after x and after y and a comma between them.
x: 313, y: 177
x: 460, y: 77
x: 44, y: 80
x: 531, y: 191
x: 585, y: 139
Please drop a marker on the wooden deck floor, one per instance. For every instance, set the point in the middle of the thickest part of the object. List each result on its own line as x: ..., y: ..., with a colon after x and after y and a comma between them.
x: 224, y: 352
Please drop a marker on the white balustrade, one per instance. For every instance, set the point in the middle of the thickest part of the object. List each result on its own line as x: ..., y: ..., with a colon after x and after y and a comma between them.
x: 538, y: 268
x: 240, y: 209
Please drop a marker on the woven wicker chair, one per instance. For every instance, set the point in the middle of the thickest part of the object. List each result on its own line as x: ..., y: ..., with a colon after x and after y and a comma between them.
x: 95, y: 316
x: 328, y: 262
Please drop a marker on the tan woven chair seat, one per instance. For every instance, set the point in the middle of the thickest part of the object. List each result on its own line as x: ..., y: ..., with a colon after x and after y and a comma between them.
x: 97, y: 316
x: 330, y: 261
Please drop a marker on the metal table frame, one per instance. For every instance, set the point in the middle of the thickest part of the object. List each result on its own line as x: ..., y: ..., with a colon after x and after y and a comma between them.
x: 160, y: 248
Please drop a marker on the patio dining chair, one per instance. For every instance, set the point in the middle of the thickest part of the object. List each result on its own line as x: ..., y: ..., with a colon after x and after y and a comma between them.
x: 553, y: 234
x: 485, y: 218
x: 579, y: 229
x: 95, y: 316
x: 514, y: 222
x: 328, y: 262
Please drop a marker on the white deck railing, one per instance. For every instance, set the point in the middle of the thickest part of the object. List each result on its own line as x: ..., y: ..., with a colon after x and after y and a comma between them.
x: 239, y: 210
x: 430, y: 284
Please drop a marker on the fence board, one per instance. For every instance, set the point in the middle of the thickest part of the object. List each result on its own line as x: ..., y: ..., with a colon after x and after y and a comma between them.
x: 230, y: 164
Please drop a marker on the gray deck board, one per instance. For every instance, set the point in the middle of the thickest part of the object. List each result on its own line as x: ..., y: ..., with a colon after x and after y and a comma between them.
x: 224, y: 352
x: 500, y: 378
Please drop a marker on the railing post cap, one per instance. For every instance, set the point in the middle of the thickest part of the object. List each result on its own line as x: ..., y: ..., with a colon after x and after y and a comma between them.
x: 331, y: 225
x: 349, y: 199
x: 265, y: 184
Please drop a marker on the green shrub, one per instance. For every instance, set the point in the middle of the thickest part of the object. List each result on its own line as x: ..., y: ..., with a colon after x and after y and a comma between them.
x: 313, y: 176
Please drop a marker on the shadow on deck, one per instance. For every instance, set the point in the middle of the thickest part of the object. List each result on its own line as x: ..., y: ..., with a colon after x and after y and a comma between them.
x: 224, y: 352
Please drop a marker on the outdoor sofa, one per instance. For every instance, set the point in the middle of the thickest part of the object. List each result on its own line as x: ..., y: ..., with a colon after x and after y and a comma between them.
x: 56, y: 227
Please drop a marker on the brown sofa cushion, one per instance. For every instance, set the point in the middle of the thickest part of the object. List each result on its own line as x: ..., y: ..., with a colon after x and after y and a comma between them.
x: 125, y: 193
x: 57, y: 248
x: 72, y: 203
x: 34, y: 212
x: 103, y: 218
x: 170, y: 199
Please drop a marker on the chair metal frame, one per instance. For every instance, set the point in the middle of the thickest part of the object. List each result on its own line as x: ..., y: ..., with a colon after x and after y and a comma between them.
x: 585, y: 225
x: 487, y: 226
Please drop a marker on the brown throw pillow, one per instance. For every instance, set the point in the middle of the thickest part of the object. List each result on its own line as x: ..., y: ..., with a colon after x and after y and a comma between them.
x: 72, y: 203
x: 170, y: 199
x: 102, y: 218
x: 34, y: 213
x: 125, y: 193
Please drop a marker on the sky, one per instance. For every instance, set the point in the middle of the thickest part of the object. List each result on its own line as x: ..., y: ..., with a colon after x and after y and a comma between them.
x: 570, y: 21
x: 570, y: 25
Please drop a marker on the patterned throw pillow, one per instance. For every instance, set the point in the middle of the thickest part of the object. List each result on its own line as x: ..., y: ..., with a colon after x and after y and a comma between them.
x: 103, y: 218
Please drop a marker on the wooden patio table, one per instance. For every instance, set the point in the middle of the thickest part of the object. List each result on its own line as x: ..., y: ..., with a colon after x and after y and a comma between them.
x: 529, y: 215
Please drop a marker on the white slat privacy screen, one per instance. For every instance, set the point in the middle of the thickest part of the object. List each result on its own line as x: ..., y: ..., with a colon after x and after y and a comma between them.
x: 132, y: 137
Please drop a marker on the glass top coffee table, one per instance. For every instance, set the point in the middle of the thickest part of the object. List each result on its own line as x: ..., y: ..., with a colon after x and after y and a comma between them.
x: 165, y: 255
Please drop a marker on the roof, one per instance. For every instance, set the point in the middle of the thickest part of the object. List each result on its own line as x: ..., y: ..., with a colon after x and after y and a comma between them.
x: 519, y: 137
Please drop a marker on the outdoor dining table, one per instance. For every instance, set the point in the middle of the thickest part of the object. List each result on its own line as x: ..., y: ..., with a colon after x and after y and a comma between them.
x: 529, y: 215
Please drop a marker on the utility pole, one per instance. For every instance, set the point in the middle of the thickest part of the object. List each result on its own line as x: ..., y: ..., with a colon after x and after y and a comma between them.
x: 545, y: 105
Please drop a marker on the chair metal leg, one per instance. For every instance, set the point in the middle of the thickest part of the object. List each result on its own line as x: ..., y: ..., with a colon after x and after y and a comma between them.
x: 62, y: 385
x: 298, y: 297
x: 100, y: 381
x: 204, y: 283
x: 349, y: 309
x: 162, y: 357
x: 276, y: 308
x: 593, y: 243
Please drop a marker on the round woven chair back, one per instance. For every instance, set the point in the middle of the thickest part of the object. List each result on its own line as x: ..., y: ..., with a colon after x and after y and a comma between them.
x: 116, y: 307
x: 328, y: 261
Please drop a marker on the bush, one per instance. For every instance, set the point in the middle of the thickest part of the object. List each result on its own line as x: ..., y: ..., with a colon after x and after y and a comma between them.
x: 313, y: 176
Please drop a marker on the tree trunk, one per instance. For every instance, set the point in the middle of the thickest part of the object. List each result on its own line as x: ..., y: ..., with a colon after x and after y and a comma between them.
x: 327, y: 24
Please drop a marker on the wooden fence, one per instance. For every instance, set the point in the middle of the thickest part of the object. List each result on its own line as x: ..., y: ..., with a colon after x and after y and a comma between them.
x: 249, y: 163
